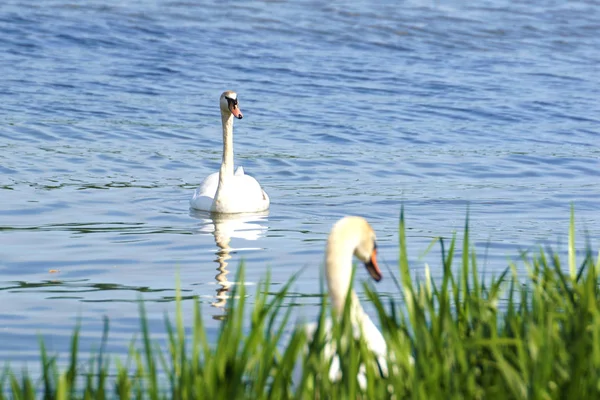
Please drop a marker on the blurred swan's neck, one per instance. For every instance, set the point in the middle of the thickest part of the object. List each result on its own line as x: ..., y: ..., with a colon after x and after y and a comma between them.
x: 338, y: 263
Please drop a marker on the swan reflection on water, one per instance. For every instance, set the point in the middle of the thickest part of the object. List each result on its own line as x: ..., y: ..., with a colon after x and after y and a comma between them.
x: 225, y: 227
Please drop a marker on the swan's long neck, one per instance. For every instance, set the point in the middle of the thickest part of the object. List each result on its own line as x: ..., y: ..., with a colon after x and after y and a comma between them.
x: 227, y: 162
x: 338, y: 263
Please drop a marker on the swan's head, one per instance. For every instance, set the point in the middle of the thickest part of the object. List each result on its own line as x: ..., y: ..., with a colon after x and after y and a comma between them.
x: 350, y: 236
x: 366, y: 251
x: 229, y: 104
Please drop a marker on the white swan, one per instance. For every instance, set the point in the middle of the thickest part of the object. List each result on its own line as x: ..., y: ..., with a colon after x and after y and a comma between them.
x: 224, y: 191
x: 351, y: 236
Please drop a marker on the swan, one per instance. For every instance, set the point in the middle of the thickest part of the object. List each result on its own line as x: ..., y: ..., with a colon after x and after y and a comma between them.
x: 351, y: 236
x: 225, y: 191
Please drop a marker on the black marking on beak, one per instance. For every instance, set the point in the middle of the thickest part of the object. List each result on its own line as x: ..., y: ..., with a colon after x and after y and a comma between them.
x: 232, y: 104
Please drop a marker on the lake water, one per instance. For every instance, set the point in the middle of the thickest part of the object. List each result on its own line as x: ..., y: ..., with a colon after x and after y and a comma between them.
x: 110, y: 119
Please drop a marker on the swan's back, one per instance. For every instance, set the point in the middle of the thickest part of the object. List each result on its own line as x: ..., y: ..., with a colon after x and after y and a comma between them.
x: 244, y: 195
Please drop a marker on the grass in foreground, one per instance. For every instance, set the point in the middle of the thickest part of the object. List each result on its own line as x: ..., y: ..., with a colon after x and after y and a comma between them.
x: 535, y: 336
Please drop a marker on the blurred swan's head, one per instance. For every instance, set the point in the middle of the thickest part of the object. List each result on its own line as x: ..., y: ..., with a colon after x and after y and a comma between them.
x: 229, y: 104
x: 356, y: 235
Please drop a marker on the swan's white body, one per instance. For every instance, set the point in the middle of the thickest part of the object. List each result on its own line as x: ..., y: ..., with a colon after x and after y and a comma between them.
x: 351, y: 236
x: 239, y: 193
x: 225, y: 191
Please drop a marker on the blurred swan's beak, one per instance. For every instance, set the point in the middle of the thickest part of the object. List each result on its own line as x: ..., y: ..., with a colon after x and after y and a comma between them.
x: 372, y: 266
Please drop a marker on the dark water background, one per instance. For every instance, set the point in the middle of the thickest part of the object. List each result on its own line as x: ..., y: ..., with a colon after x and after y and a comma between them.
x: 109, y: 119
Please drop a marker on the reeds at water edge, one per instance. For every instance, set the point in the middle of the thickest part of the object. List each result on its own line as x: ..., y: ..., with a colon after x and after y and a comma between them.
x: 533, y: 335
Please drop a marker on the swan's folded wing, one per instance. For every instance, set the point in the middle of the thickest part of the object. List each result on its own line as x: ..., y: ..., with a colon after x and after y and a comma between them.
x: 205, y: 193
x: 208, y: 187
x: 249, y: 187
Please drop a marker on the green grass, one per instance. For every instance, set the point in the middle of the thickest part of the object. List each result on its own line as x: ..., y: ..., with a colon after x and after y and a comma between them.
x: 529, y: 336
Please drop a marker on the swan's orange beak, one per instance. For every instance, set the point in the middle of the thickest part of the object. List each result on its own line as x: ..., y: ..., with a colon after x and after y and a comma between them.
x: 372, y: 266
x: 235, y: 110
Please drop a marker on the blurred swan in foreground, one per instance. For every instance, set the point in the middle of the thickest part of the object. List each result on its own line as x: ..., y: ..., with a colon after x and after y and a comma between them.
x: 225, y: 191
x: 351, y: 236
x: 224, y: 227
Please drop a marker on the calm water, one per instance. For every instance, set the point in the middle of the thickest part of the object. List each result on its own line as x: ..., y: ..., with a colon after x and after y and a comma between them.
x: 109, y: 120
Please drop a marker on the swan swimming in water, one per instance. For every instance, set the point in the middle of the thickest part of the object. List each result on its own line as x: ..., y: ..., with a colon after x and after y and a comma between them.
x: 225, y: 191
